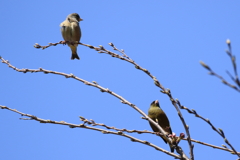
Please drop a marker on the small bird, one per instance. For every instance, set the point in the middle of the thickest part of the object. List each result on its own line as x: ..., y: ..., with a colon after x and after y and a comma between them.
x: 158, y: 115
x: 71, y: 32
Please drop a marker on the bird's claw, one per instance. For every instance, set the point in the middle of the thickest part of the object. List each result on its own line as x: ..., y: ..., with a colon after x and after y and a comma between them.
x: 63, y: 42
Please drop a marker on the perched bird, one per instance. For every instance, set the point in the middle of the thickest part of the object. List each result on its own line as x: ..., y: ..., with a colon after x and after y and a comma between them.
x: 71, y: 32
x: 158, y: 115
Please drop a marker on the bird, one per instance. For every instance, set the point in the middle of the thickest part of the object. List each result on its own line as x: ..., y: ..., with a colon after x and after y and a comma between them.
x: 158, y: 115
x: 71, y: 32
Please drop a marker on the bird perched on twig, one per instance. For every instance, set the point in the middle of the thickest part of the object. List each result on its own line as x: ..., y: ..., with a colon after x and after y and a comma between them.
x: 71, y: 32
x: 158, y: 115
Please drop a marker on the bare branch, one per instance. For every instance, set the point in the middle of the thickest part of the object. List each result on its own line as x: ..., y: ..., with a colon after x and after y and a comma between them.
x: 233, y: 60
x: 93, y: 123
x: 102, y: 89
x: 119, y: 133
x: 213, y: 146
x: 101, y: 49
x: 219, y: 130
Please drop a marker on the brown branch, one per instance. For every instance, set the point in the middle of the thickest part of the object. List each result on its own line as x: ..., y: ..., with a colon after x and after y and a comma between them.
x: 102, y: 89
x: 219, y: 130
x: 101, y: 49
x: 133, y: 139
x: 213, y: 146
x: 93, y: 123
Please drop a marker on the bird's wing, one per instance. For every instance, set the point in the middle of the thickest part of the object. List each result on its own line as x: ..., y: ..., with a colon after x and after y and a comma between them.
x: 66, y: 30
x: 164, y: 122
x: 75, y: 31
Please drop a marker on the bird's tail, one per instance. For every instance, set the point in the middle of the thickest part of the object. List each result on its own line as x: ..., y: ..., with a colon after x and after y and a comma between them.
x: 75, y: 55
x: 171, y: 147
x: 74, y: 52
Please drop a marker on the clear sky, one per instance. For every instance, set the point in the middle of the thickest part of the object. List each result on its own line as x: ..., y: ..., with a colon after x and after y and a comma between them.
x: 168, y: 38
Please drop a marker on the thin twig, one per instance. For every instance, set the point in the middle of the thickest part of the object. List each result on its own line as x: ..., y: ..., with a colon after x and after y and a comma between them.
x: 211, y: 72
x: 233, y: 60
x: 219, y: 130
x: 213, y: 146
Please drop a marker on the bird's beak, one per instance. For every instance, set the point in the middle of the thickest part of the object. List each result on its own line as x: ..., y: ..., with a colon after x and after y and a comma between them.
x: 80, y: 19
x: 156, y: 102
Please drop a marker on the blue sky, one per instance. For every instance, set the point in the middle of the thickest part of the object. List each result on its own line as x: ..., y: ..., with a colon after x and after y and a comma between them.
x: 167, y: 38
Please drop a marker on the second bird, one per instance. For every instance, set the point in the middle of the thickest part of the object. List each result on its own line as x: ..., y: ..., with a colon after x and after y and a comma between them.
x: 71, y: 32
x: 158, y: 115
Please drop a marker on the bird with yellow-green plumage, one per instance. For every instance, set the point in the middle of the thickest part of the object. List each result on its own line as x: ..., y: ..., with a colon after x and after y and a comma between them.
x: 71, y: 32
x: 158, y: 115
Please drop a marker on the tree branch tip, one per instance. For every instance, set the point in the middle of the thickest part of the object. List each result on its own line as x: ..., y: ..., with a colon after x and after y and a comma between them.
x: 82, y: 118
x: 95, y: 82
x: 228, y: 41
x: 123, y: 102
x: 194, y: 111
x: 223, y: 81
x: 221, y: 131
x: 224, y: 146
x: 101, y: 47
x: 4, y: 107
x: 97, y: 49
x: 163, y: 91
x: 205, y: 66
x: 143, y: 117
x: 111, y: 44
